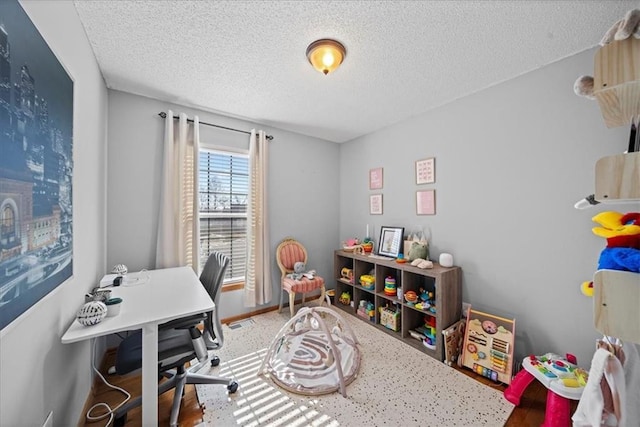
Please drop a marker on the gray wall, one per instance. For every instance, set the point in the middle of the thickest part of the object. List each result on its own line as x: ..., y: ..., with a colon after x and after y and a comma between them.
x: 39, y: 374
x: 511, y: 161
x: 303, y: 186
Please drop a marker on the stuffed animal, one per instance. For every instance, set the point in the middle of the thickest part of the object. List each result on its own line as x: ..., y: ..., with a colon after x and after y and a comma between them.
x: 621, y: 30
x: 622, y: 252
x: 418, y: 250
x: 299, y: 272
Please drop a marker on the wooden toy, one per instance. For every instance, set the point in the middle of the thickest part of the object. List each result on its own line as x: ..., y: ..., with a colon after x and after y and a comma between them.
x: 453, y: 342
x: 488, y: 345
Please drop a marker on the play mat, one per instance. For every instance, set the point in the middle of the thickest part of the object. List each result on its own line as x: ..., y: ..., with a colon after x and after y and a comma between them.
x: 315, y: 352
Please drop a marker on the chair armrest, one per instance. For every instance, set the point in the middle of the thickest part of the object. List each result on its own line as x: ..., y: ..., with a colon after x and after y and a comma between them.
x: 184, y: 322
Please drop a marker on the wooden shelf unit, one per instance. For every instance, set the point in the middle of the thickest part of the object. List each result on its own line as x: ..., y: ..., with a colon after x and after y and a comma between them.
x: 446, y: 283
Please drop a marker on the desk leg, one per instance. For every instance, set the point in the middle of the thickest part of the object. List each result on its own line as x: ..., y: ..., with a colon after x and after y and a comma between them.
x: 150, y: 375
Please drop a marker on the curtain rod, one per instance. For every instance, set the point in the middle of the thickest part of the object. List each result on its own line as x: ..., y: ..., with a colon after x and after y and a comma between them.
x: 164, y: 115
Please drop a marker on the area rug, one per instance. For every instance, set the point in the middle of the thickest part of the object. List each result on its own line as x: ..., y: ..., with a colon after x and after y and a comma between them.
x: 397, y: 385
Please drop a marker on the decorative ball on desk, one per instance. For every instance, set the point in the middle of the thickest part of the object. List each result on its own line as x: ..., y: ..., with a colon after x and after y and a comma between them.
x: 120, y: 269
x: 92, y: 313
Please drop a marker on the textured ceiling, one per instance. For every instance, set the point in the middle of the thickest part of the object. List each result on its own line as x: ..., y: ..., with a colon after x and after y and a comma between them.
x: 247, y: 58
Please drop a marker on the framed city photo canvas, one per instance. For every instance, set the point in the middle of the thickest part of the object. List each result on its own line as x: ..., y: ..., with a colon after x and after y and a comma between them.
x: 375, y: 179
x: 426, y: 171
x: 375, y: 204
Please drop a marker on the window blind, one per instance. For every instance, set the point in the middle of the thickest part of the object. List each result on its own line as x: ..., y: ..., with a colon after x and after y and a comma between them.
x: 223, y: 188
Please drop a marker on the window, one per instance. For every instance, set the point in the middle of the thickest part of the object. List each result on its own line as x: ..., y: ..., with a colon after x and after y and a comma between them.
x: 223, y: 191
x: 7, y: 226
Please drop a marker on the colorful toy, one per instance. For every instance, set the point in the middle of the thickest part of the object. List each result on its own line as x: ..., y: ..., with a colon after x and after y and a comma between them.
x: 345, y: 298
x: 622, y: 252
x: 367, y: 281
x: 367, y: 310
x: 390, y: 318
x: 561, y: 376
x: 426, y: 301
x: 367, y: 245
x: 390, y: 286
x: 347, y: 274
x: 488, y: 345
x: 411, y: 297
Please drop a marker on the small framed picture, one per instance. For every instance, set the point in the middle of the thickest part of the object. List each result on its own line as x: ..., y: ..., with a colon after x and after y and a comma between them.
x: 375, y: 204
x: 426, y: 202
x: 390, y: 241
x: 426, y: 171
x: 375, y: 179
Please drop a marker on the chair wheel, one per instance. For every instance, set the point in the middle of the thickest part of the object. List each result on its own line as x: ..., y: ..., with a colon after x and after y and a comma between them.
x: 232, y: 387
x: 215, y: 361
x: 120, y: 421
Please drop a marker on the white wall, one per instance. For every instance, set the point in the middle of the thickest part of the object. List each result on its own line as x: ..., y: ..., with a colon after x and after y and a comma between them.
x: 39, y: 374
x: 511, y: 161
x: 303, y: 181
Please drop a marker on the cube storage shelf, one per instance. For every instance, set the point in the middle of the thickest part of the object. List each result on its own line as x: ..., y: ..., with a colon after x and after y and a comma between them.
x: 445, y: 283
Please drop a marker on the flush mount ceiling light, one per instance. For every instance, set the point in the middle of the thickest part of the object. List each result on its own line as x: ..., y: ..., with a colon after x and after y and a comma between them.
x: 326, y: 55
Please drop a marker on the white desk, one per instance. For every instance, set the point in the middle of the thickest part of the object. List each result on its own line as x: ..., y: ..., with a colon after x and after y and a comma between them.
x: 169, y: 294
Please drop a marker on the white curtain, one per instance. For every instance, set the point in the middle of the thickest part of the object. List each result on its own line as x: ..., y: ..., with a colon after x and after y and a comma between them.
x: 257, y: 288
x: 179, y: 222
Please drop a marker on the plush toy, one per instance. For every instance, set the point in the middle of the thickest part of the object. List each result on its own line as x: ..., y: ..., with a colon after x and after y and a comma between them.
x: 622, y: 252
x: 299, y: 272
x: 418, y: 250
x: 621, y: 30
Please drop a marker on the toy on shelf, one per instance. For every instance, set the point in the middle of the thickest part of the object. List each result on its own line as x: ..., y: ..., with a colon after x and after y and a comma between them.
x: 368, y: 281
x: 367, y: 245
x: 367, y: 310
x: 622, y: 252
x: 426, y: 301
x: 488, y: 345
x: 561, y: 376
x: 390, y: 318
x: 347, y: 274
x: 428, y: 332
x: 390, y: 286
x: 345, y: 298
x: 411, y: 297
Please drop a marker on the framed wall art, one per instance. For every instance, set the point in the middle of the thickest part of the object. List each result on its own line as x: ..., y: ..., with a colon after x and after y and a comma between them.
x: 375, y: 179
x: 375, y: 204
x: 426, y: 171
x: 426, y: 202
x: 36, y: 166
x: 390, y: 241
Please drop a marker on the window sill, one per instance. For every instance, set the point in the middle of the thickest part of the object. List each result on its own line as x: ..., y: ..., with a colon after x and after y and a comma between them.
x: 233, y: 286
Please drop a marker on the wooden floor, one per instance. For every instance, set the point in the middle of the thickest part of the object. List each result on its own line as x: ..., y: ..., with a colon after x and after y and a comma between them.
x: 530, y: 413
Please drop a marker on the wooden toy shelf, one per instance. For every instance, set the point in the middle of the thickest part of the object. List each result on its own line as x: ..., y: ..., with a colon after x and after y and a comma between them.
x: 446, y: 283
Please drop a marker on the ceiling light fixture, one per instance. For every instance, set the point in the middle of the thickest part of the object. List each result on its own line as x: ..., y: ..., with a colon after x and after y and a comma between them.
x: 326, y: 55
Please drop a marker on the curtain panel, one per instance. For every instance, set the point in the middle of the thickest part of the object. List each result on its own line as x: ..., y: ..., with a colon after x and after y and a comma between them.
x: 179, y: 222
x: 257, y: 288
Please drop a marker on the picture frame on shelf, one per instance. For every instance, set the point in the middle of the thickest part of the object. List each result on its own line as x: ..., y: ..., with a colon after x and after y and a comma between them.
x: 391, y: 239
x: 376, y: 179
x: 426, y: 171
x: 426, y: 202
x: 375, y: 204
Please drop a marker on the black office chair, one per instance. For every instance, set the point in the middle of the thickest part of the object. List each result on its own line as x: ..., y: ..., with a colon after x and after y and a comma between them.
x: 180, y: 341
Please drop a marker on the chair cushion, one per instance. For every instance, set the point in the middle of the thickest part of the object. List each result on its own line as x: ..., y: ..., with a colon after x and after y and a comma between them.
x: 303, y: 285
